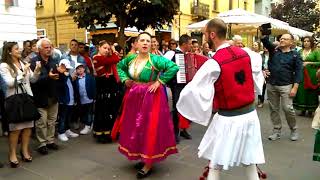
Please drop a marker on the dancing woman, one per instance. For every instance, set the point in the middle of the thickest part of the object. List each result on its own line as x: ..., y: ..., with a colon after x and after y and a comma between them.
x: 146, y: 129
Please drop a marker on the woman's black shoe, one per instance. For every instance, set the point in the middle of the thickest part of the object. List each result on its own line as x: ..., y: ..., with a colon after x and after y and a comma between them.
x: 141, y: 174
x: 14, y: 164
x: 139, y: 165
x: 29, y: 159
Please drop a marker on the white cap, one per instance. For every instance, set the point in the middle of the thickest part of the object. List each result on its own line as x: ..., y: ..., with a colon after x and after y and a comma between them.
x: 79, y: 64
x: 66, y: 62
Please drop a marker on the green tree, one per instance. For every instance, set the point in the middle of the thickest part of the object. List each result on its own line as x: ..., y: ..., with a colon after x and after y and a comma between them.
x: 126, y: 13
x: 302, y: 14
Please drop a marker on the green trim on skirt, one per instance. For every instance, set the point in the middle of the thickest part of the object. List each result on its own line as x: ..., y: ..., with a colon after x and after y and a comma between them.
x: 316, y: 151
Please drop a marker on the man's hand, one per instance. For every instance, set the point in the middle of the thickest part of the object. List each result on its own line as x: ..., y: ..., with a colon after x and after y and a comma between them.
x: 62, y: 68
x: 53, y: 75
x: 153, y: 87
x: 129, y: 83
x: 293, y: 92
x: 266, y: 73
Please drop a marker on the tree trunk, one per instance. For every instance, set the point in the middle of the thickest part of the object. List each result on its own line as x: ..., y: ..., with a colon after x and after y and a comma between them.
x: 121, y: 36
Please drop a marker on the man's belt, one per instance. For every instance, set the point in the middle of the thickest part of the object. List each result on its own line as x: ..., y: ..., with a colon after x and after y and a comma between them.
x: 236, y: 112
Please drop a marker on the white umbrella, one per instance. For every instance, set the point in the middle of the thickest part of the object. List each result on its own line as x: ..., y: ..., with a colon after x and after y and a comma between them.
x: 240, y: 16
x: 245, y: 20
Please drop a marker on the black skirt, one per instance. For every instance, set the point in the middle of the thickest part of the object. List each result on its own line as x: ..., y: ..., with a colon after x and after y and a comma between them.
x: 108, y: 100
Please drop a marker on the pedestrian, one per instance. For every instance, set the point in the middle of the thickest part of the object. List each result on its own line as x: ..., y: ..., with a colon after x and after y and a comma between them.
x: 155, y: 46
x: 265, y: 59
x: 181, y: 124
x: 284, y: 75
x: 85, y: 90
x: 84, y: 52
x: 172, y: 44
x: 146, y: 129
x: 206, y: 49
x: 66, y: 101
x: 45, y: 96
x: 17, y: 77
x: 195, y: 47
x: 306, y: 99
x: 108, y: 97
x: 225, y: 83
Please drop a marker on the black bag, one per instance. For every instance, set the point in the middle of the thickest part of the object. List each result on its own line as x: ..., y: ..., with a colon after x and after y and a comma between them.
x: 20, y: 107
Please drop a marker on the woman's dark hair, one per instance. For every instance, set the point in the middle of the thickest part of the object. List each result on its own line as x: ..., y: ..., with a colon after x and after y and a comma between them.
x: 34, y: 41
x: 6, y: 55
x: 312, y: 44
x: 138, y: 37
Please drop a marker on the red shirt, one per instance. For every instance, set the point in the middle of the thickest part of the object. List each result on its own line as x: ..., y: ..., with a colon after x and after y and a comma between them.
x: 106, y: 65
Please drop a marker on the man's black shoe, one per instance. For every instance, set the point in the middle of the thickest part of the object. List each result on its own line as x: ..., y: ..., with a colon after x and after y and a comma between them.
x: 53, y: 146
x: 1, y: 165
x: 177, y: 138
x: 185, y: 134
x: 43, y: 150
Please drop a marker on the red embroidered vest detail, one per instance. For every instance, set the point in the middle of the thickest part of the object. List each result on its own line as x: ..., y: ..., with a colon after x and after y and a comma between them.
x: 235, y: 87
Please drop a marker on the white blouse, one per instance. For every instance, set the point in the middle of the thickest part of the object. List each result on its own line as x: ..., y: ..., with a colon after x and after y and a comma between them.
x: 6, y: 73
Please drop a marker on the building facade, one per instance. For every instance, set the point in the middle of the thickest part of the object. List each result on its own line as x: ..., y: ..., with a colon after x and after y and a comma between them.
x: 56, y: 24
x: 192, y: 11
x: 263, y: 7
x: 17, y: 21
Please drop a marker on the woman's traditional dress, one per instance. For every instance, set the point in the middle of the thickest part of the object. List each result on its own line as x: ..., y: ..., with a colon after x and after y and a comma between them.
x: 108, y: 98
x: 307, y: 94
x: 146, y: 127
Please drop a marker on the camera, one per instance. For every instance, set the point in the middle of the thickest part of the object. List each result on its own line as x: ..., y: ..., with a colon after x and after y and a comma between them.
x: 265, y: 29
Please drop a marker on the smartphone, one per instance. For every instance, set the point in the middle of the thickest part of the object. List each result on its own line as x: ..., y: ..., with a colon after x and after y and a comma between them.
x: 265, y: 29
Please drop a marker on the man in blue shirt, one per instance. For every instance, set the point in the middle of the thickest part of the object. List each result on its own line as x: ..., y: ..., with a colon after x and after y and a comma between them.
x: 284, y: 75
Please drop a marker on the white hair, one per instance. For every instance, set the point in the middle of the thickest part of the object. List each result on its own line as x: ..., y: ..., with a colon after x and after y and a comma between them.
x: 237, y: 38
x: 39, y: 43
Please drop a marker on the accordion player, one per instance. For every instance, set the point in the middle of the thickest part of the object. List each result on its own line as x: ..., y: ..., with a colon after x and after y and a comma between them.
x: 189, y: 64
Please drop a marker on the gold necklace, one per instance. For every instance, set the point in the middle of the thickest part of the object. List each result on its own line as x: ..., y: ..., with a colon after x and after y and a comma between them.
x: 136, y: 66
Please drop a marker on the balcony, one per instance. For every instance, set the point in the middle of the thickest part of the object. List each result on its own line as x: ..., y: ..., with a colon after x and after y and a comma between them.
x: 199, y: 11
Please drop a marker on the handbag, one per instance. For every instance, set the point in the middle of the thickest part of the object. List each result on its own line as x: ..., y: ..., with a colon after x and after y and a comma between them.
x: 20, y: 107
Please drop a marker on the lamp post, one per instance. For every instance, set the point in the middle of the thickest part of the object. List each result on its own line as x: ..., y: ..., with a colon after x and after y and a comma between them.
x: 179, y: 22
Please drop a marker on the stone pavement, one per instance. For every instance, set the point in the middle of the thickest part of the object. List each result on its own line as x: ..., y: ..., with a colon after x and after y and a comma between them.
x: 83, y: 159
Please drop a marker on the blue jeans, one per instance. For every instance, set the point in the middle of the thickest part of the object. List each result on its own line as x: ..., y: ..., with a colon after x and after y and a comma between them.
x: 64, y: 118
x: 86, y: 113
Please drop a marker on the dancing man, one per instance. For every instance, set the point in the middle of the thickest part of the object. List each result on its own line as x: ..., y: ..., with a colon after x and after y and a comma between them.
x: 225, y: 83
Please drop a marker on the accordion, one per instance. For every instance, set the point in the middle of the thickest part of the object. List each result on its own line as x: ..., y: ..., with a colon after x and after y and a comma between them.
x: 188, y: 66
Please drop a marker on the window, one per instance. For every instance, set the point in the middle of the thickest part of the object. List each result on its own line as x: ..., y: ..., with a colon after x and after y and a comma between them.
x: 196, y: 3
x: 230, y: 4
x: 11, y: 3
x: 215, y: 5
x: 39, y: 3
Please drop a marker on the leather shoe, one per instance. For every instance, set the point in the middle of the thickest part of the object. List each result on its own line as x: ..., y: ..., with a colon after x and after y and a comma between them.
x: 43, y: 150
x: 185, y: 134
x: 53, y: 146
x: 142, y: 174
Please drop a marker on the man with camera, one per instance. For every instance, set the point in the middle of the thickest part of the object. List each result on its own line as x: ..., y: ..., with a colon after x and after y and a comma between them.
x: 284, y: 74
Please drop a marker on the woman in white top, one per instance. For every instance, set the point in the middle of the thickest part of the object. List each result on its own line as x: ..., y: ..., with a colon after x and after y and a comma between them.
x: 12, y: 67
